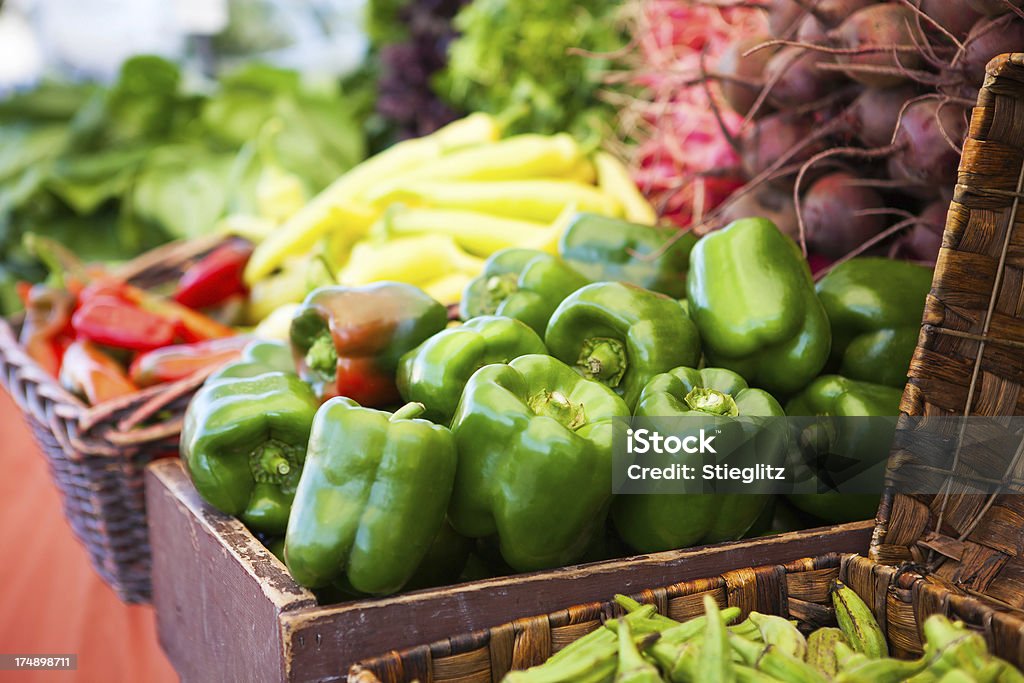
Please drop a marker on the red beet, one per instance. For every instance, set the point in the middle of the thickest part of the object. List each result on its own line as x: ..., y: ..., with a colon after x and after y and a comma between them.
x: 924, y: 156
x: 777, y: 136
x: 831, y: 13
x: 743, y: 75
x: 766, y: 202
x: 923, y: 241
x: 795, y: 77
x: 988, y: 38
x: 956, y: 16
x: 783, y: 17
x: 832, y: 212
x: 875, y: 112
x: 994, y: 8
x: 886, y: 33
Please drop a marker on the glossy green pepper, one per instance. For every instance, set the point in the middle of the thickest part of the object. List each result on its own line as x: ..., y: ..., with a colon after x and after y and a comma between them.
x: 535, y: 460
x: 622, y: 336
x: 605, y: 249
x: 436, y: 371
x: 837, y: 396
x: 243, y: 443
x: 372, y: 497
x: 258, y: 358
x: 751, y: 295
x: 655, y: 522
x: 524, y: 284
x: 875, y: 306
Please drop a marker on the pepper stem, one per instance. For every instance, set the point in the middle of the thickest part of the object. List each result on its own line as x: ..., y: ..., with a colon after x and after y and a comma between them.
x: 322, y: 357
x: 712, y: 401
x: 497, y: 288
x: 603, y: 359
x: 409, y: 411
x: 557, y: 406
x: 271, y: 462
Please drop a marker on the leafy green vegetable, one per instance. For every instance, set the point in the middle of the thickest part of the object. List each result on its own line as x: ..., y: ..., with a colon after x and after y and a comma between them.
x: 110, y: 172
x: 513, y: 60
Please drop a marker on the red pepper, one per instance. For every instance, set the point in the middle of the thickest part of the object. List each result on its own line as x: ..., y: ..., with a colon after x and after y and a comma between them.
x: 107, y: 320
x: 189, y: 325
x: 47, y: 321
x: 183, y: 360
x: 216, y: 277
x: 90, y: 373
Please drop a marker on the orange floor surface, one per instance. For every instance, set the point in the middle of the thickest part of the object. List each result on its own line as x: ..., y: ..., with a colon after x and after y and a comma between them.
x: 51, y: 601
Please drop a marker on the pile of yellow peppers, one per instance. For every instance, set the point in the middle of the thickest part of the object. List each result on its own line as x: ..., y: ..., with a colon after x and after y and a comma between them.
x: 427, y: 211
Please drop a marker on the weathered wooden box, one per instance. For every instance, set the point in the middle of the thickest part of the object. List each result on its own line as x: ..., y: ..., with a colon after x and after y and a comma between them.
x: 227, y: 609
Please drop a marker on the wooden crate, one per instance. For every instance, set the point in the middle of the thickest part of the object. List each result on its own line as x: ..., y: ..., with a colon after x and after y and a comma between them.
x: 227, y: 609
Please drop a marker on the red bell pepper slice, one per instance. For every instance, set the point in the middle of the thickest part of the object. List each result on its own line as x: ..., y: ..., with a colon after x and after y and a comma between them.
x: 177, y: 362
x: 112, y: 322
x: 216, y: 277
x: 90, y: 373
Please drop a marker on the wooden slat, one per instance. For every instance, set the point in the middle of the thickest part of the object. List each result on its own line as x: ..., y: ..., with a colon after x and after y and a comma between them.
x: 218, y: 592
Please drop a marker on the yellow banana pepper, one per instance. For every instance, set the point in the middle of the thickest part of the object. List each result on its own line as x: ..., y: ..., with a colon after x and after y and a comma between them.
x: 290, y: 285
x: 253, y: 228
x: 279, y: 194
x: 532, y: 200
x: 516, y: 158
x: 416, y: 260
x: 583, y: 172
x: 478, y: 233
x: 547, y: 239
x: 276, y: 326
x: 335, y: 208
x: 614, y: 180
x: 448, y: 288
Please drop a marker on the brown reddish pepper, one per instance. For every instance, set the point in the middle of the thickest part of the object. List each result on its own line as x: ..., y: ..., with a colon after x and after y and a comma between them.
x: 348, y: 340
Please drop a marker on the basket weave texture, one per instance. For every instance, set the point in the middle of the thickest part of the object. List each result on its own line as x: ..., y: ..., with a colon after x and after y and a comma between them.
x: 97, y: 454
x: 798, y: 590
x: 970, y: 362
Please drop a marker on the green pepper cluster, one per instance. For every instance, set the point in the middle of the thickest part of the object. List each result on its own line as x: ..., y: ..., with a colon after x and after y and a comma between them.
x: 502, y: 451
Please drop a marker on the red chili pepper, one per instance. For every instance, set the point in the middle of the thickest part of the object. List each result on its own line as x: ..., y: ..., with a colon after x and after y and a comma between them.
x: 183, y: 360
x: 216, y: 277
x: 90, y: 373
x: 111, y: 321
x: 47, y: 322
x: 190, y: 325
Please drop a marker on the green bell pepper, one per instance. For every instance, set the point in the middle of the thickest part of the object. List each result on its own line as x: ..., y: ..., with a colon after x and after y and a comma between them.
x: 372, y: 497
x: 610, y: 249
x: 875, y: 306
x: 837, y: 396
x: 651, y: 523
x: 435, y: 372
x: 834, y: 395
x: 258, y: 358
x: 622, y: 336
x: 535, y: 460
x: 243, y: 443
x: 524, y: 284
x: 751, y: 294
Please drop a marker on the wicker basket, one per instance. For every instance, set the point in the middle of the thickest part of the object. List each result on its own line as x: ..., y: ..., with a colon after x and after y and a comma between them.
x: 958, y: 553
x: 798, y: 590
x: 97, y: 454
